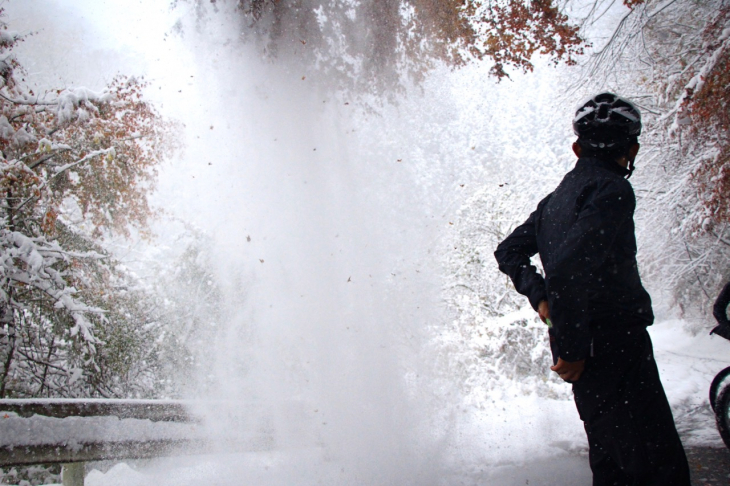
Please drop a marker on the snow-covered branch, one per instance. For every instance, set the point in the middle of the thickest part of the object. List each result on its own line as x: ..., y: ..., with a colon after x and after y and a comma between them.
x: 86, y: 156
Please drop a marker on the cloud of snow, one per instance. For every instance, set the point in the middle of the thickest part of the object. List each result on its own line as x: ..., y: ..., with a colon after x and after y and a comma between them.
x: 327, y: 288
x: 328, y: 225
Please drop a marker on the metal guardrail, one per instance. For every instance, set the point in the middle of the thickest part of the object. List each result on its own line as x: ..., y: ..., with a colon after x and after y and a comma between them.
x: 66, y: 453
x: 155, y: 410
x: 72, y: 453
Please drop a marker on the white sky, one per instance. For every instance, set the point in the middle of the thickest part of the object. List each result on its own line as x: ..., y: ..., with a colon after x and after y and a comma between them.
x: 87, y: 42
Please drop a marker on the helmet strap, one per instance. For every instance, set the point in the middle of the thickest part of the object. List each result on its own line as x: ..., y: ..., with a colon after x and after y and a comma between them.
x: 630, y: 168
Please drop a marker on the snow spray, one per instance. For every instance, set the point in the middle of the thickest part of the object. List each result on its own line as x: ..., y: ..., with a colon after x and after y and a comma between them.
x: 328, y: 288
x: 325, y: 223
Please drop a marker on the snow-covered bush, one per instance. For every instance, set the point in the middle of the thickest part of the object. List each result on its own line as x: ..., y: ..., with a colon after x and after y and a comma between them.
x: 31, y: 475
x: 495, y: 337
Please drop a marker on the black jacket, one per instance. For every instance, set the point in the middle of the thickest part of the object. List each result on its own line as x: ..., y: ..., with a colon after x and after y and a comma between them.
x: 584, y: 233
x: 719, y: 310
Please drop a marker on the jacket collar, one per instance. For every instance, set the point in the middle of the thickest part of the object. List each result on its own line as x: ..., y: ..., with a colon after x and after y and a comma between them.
x: 609, y: 165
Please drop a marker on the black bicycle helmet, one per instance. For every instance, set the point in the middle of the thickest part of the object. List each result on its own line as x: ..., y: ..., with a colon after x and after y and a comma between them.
x: 606, y: 121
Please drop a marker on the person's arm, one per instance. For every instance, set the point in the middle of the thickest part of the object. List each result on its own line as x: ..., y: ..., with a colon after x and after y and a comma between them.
x: 719, y: 310
x: 513, y: 256
x: 607, y: 207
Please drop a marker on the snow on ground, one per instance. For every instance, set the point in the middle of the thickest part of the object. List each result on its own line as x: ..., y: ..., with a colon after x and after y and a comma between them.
x: 519, y: 439
x: 687, y: 365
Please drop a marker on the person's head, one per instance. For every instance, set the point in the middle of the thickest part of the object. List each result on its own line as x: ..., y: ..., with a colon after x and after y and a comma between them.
x: 608, y: 127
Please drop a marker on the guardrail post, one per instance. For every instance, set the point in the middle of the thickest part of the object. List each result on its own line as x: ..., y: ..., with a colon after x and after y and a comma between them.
x: 72, y: 474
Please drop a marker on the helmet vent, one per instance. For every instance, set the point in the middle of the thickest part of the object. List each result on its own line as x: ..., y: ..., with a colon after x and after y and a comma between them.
x: 603, y: 112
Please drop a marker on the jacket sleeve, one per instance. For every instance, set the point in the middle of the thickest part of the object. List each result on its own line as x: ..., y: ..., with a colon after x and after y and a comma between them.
x: 513, y: 256
x: 606, y: 207
x: 720, y: 308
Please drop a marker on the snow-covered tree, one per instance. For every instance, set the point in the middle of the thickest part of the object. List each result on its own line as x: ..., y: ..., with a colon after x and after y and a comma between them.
x: 188, y: 309
x: 693, y: 137
x: 75, y: 165
x: 673, y: 59
x: 373, y: 44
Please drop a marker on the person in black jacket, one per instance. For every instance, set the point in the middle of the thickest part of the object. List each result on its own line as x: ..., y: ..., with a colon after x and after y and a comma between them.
x: 593, y: 300
x: 719, y: 310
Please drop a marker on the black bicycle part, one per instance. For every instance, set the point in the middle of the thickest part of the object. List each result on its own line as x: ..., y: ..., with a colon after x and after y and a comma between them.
x: 715, y: 386
x: 722, y: 414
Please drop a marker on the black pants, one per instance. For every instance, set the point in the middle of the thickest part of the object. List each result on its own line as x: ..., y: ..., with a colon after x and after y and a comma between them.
x: 631, y: 433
